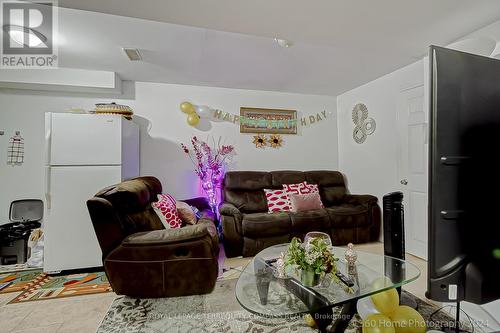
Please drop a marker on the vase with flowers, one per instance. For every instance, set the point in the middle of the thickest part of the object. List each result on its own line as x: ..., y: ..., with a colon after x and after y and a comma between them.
x: 313, y: 259
x: 209, y: 165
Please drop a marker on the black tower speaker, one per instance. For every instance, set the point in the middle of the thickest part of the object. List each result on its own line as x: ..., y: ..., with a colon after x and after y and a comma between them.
x: 394, y: 240
x: 394, y: 236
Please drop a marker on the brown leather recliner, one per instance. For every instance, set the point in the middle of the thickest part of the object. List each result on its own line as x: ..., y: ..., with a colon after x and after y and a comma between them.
x: 140, y: 257
x: 248, y: 227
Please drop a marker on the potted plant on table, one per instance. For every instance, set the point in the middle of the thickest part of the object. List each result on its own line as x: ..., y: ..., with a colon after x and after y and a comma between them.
x: 313, y: 259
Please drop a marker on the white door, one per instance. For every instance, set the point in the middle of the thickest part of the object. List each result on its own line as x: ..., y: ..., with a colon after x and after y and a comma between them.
x: 84, y: 139
x: 70, y: 240
x: 412, y: 167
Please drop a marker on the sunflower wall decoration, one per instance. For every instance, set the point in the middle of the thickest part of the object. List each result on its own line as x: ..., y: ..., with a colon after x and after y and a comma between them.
x: 276, y: 141
x: 260, y: 141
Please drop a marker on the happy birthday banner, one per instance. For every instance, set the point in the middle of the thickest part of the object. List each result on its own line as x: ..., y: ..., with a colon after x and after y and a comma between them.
x: 195, y: 112
x: 269, y: 123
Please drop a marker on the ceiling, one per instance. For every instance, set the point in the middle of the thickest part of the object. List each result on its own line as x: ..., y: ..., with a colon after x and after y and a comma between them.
x: 337, y: 44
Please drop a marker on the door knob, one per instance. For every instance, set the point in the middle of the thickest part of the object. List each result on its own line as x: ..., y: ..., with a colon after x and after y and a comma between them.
x: 404, y: 182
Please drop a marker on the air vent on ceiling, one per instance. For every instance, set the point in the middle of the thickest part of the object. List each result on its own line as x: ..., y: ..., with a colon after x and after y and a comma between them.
x: 132, y: 54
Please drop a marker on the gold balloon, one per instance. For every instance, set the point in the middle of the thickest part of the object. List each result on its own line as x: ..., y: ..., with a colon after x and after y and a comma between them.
x: 377, y: 323
x: 187, y: 108
x: 407, y: 320
x: 193, y: 119
x: 386, y: 302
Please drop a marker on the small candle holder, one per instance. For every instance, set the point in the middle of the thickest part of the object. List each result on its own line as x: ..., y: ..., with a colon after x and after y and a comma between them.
x: 351, y: 256
x: 280, y: 267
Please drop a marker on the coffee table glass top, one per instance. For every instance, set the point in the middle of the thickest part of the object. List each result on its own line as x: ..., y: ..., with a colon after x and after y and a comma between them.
x: 260, y: 292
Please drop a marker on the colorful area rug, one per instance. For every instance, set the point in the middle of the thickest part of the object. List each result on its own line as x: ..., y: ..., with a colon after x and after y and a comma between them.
x: 18, y: 281
x: 218, y: 311
x: 43, y: 286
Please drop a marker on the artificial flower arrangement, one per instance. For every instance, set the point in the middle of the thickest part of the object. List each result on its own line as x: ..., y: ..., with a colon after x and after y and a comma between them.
x: 209, y: 165
x: 313, y: 259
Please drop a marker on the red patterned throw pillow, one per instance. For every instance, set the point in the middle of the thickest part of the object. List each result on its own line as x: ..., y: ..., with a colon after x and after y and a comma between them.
x: 313, y: 188
x: 277, y: 201
x: 300, y: 188
x: 166, y: 210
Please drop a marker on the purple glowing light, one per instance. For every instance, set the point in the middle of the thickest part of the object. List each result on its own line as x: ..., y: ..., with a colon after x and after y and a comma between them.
x: 209, y: 165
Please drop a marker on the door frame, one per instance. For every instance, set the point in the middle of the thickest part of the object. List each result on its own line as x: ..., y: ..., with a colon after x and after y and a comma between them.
x: 399, y: 175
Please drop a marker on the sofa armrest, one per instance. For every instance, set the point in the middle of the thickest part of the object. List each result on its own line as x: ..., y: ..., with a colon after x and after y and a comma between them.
x: 360, y: 199
x: 169, y: 236
x: 229, y: 209
x: 206, y: 215
x: 200, y: 202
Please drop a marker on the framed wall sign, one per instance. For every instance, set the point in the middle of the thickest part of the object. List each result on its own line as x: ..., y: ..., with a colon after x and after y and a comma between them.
x: 272, y: 121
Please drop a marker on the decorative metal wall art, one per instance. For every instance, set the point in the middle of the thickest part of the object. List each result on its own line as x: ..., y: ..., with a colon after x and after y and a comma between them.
x: 259, y: 141
x: 271, y: 121
x: 363, y: 125
x: 274, y: 141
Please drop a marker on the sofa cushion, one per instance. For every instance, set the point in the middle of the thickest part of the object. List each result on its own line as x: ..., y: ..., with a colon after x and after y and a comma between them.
x: 331, y: 185
x: 247, y: 180
x: 332, y: 195
x: 145, y: 220
x: 348, y: 216
x: 247, y: 201
x: 133, y: 195
x: 311, y: 220
x: 265, y: 224
x: 287, y: 177
x: 325, y: 178
x: 160, y: 237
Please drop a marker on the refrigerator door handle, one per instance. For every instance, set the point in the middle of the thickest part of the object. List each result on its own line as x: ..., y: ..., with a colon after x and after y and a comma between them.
x: 48, y: 136
x: 47, y: 188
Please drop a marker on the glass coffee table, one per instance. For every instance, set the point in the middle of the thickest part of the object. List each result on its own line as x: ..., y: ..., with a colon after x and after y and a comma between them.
x: 259, y: 291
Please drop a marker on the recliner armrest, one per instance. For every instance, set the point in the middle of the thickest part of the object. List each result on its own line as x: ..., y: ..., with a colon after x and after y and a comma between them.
x: 360, y: 199
x: 207, y: 215
x: 229, y: 209
x: 168, y: 236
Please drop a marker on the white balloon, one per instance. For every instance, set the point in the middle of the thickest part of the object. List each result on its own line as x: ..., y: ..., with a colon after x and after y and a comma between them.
x: 204, y: 111
x: 366, y: 307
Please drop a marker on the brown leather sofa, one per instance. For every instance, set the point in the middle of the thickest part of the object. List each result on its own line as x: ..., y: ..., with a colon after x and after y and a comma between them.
x: 248, y: 227
x: 140, y: 257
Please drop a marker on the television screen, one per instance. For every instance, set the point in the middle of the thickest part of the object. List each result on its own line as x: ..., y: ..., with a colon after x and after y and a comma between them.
x: 464, y: 177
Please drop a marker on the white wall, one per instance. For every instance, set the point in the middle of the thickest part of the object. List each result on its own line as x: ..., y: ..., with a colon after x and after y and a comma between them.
x: 163, y: 128
x: 371, y: 167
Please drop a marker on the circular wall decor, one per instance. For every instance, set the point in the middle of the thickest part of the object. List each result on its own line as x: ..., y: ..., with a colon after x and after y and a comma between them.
x: 364, y: 125
x: 359, y: 113
x: 359, y: 134
x: 369, y: 126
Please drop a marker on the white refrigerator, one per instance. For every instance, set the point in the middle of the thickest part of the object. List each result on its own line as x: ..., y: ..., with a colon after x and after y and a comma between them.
x: 84, y: 153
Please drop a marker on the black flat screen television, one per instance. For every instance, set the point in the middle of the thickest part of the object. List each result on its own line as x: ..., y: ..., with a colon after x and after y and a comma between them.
x: 464, y: 177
